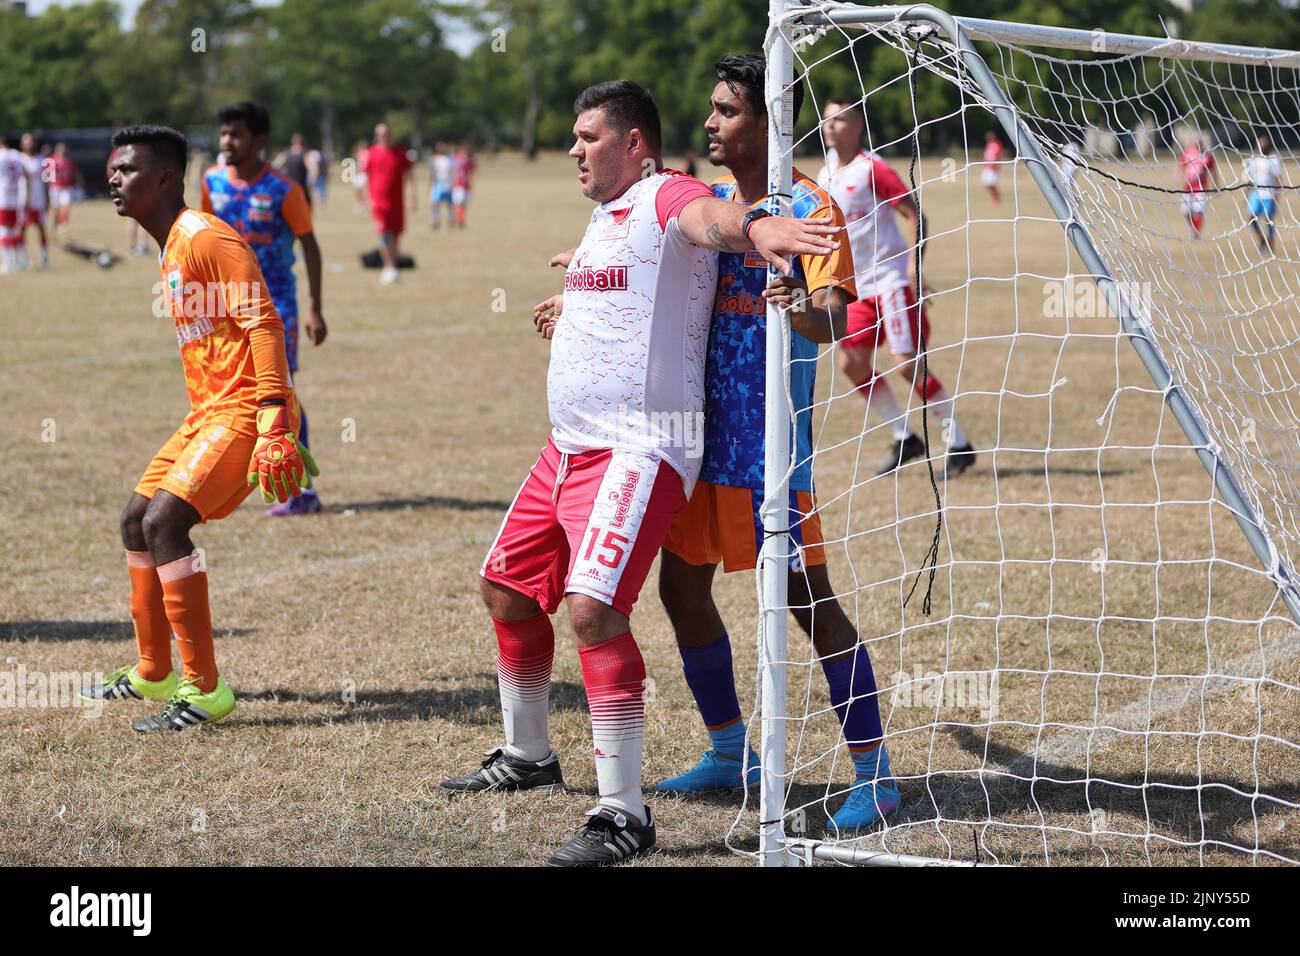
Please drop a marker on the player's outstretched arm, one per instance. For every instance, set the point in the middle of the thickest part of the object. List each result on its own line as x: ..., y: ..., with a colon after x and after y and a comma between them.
x: 717, y: 224
x: 562, y: 259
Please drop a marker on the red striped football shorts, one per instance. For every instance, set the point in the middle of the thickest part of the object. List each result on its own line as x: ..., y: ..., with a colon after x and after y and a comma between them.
x: 588, y: 523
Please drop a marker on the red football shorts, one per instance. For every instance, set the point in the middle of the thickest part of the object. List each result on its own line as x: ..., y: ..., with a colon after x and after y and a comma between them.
x: 888, y: 317
x: 588, y: 523
x: 390, y: 221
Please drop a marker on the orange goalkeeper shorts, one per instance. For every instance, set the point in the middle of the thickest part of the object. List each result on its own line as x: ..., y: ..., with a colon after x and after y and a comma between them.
x: 205, y: 464
x: 722, y: 525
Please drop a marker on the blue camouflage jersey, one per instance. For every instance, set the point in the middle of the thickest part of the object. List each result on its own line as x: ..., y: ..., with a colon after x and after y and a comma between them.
x: 269, y: 212
x: 735, y: 373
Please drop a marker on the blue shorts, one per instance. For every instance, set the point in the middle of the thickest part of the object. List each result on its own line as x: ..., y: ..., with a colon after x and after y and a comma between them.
x: 288, y: 309
x: 1261, y: 205
x: 440, y: 195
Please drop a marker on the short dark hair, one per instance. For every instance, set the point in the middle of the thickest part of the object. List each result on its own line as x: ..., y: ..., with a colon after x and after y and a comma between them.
x: 627, y: 105
x: 254, y: 115
x: 167, y: 144
x: 748, y: 71
x: 850, y: 106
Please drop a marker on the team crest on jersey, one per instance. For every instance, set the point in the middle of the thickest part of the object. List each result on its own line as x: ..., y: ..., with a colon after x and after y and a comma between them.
x: 587, y: 279
x: 620, y: 226
x: 175, y: 288
x: 260, y: 208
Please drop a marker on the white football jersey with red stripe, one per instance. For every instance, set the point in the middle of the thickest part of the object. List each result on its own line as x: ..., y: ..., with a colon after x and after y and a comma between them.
x: 627, y: 356
x: 36, y: 190
x: 866, y: 190
x: 12, y: 173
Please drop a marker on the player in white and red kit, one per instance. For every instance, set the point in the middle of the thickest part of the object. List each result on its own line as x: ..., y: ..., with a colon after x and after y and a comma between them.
x: 62, y: 174
x: 872, y: 196
x: 993, y: 153
x: 463, y: 167
x: 1196, y: 172
x: 13, y: 202
x: 37, y: 202
x: 626, y: 379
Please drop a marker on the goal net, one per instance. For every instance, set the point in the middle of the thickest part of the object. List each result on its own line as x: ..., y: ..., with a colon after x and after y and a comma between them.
x: 1084, y: 645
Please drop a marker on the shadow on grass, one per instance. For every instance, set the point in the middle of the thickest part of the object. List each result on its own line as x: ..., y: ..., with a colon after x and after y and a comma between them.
x: 425, y: 501
x: 86, y: 631
x: 1179, y: 806
x: 1057, y: 471
x: 470, y: 705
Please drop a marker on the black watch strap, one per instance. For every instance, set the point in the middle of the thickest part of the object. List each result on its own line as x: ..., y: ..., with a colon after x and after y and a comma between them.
x: 751, y: 217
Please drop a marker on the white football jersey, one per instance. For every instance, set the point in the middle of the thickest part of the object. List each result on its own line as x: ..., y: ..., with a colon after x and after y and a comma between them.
x: 866, y: 189
x: 627, y: 356
x: 36, y: 192
x: 12, y: 175
x: 1265, y: 173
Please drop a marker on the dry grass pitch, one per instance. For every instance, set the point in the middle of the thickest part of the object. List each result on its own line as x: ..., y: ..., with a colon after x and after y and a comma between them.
x: 363, y: 660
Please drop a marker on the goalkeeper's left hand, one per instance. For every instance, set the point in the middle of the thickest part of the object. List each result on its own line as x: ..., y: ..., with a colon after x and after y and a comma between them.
x: 280, y: 464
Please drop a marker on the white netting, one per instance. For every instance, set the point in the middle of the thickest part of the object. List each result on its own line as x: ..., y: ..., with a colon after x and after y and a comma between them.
x: 1108, y: 674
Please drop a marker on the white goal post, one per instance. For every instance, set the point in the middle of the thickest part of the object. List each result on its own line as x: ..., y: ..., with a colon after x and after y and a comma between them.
x: 1138, y: 658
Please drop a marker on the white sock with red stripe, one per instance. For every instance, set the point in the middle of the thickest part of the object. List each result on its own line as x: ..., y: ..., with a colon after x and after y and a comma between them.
x: 882, y: 403
x: 933, y: 393
x: 526, y: 650
x: 614, y: 674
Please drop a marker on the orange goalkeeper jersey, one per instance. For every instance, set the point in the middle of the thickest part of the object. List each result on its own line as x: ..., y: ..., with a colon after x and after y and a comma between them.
x: 230, y: 336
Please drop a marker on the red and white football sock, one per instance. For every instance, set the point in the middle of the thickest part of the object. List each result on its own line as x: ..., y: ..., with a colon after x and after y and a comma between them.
x: 936, y: 396
x: 614, y: 674
x: 526, y: 650
x: 882, y: 403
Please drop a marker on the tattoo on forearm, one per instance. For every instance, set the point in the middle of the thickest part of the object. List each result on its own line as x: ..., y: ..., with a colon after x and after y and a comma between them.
x: 718, y: 239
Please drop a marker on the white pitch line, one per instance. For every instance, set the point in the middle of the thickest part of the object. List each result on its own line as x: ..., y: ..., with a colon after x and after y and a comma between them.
x: 135, y: 358
x: 314, y: 567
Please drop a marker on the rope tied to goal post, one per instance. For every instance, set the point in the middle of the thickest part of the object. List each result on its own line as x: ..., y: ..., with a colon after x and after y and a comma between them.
x: 919, y: 35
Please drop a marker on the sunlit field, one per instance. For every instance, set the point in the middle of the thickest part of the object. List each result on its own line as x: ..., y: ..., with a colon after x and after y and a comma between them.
x: 363, y: 660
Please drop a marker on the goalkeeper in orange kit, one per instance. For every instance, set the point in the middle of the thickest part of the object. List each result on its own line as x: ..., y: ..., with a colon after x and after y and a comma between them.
x: 241, y: 430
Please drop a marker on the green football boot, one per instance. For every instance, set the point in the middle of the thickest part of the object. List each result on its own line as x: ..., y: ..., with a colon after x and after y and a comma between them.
x: 126, y: 684
x: 190, y: 707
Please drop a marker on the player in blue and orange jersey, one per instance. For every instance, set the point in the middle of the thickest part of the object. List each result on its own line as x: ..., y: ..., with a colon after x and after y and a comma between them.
x: 269, y: 210
x: 241, y: 429
x: 721, y: 524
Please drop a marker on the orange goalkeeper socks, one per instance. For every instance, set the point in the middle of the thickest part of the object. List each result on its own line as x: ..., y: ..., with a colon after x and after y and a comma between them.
x: 153, y: 632
x: 185, y: 595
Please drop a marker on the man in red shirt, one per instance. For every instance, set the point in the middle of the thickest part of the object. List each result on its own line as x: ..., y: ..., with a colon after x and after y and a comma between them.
x: 388, y: 169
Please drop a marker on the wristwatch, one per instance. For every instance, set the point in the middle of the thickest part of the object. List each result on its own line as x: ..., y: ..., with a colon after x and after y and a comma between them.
x: 751, y: 217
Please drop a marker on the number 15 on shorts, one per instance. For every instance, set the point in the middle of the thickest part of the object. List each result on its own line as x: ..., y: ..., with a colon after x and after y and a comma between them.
x: 605, y: 547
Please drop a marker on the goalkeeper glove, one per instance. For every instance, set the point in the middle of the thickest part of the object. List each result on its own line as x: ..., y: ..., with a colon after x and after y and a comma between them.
x: 281, y: 465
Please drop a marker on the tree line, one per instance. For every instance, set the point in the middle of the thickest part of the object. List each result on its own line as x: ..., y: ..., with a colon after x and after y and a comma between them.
x: 331, y: 69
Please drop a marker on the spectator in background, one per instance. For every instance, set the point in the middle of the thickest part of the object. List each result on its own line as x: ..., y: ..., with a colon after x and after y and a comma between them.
x: 388, y: 172
x: 359, y: 179
x: 463, y: 165
x: 443, y: 168
x: 293, y: 163
x: 37, y: 202
x: 13, y: 200
x: 64, y: 178
x: 316, y: 175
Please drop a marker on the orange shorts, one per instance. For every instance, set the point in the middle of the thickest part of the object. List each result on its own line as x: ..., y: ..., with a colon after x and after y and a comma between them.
x: 722, y: 525
x: 205, y: 464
